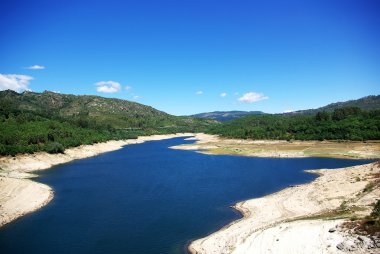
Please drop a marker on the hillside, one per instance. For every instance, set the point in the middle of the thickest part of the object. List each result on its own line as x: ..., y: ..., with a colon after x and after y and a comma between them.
x: 52, y: 122
x: 116, y: 113
x: 371, y: 102
x: 366, y: 103
x: 348, y: 123
x: 225, y: 116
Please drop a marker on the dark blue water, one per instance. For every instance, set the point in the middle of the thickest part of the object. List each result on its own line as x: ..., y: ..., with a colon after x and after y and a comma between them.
x: 147, y: 198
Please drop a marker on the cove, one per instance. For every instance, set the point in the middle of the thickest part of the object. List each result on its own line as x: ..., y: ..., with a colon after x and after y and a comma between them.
x: 147, y: 198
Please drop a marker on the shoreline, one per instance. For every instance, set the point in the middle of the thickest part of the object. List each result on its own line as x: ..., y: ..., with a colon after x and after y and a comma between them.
x: 265, y: 221
x: 268, y: 220
x: 214, y: 145
x: 20, y: 195
x: 275, y: 222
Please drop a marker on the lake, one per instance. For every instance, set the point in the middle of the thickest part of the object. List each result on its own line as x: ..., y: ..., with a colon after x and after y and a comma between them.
x: 147, y: 198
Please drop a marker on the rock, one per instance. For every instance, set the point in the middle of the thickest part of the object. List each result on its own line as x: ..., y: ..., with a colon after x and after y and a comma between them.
x: 332, y: 230
x: 368, y: 243
x: 347, y: 246
x: 341, y: 246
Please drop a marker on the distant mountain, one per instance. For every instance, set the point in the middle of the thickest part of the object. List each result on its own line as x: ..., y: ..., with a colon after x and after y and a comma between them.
x: 366, y: 103
x: 224, y: 116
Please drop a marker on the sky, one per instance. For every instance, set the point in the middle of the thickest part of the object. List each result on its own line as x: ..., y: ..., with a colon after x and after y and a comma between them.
x: 187, y: 57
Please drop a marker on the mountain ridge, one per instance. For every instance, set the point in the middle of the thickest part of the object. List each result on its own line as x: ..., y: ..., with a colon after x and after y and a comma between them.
x: 225, y: 116
x: 370, y: 102
x: 116, y: 112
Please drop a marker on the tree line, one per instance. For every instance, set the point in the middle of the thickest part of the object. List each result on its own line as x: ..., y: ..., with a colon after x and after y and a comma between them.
x: 24, y: 131
x: 349, y: 123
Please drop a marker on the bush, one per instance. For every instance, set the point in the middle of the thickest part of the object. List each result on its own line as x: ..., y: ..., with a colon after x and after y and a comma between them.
x: 376, y: 209
x: 54, y: 147
x: 369, y: 187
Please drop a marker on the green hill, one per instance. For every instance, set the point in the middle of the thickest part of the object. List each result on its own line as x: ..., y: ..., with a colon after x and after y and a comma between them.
x: 52, y: 122
x: 116, y: 113
x: 348, y: 123
x: 371, y: 102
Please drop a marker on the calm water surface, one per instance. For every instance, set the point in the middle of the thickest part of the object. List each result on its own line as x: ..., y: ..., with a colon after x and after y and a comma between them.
x: 147, y: 198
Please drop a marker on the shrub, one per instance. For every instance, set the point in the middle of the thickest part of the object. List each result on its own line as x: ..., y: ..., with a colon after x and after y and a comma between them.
x: 54, y: 147
x: 376, y: 209
x: 369, y: 187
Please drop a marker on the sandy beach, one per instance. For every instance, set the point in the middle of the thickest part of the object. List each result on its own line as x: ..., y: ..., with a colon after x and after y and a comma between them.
x: 297, y: 219
x: 20, y: 195
x: 279, y: 223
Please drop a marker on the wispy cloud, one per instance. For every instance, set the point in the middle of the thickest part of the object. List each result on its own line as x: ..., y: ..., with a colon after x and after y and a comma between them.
x: 15, y: 82
x: 36, y: 67
x: 199, y: 93
x: 108, y: 87
x: 252, y: 97
x: 223, y: 94
x: 136, y: 97
x: 288, y: 110
x: 127, y: 88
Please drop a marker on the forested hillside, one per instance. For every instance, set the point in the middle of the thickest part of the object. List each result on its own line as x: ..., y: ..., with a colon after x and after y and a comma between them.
x: 48, y: 121
x: 51, y: 122
x: 371, y: 102
x: 348, y: 123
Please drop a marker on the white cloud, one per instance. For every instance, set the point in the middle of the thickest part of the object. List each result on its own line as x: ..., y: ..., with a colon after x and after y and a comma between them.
x: 15, y: 82
x: 252, y: 97
x: 136, y: 97
x: 199, y: 93
x: 127, y: 88
x: 223, y: 94
x: 36, y: 67
x: 108, y: 87
x: 288, y: 110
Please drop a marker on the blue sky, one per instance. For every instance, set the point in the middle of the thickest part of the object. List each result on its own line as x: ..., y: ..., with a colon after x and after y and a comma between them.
x: 181, y: 56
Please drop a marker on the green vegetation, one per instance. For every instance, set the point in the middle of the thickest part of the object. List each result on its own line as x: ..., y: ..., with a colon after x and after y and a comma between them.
x: 369, y: 187
x: 376, y: 210
x: 51, y: 122
x: 370, y: 225
x: 348, y: 123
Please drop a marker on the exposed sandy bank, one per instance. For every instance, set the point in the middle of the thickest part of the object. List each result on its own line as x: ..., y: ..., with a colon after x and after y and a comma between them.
x: 269, y: 224
x: 212, y: 144
x: 291, y: 221
x: 19, y: 195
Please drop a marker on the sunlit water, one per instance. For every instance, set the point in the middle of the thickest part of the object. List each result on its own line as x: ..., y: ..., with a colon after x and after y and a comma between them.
x: 147, y: 198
